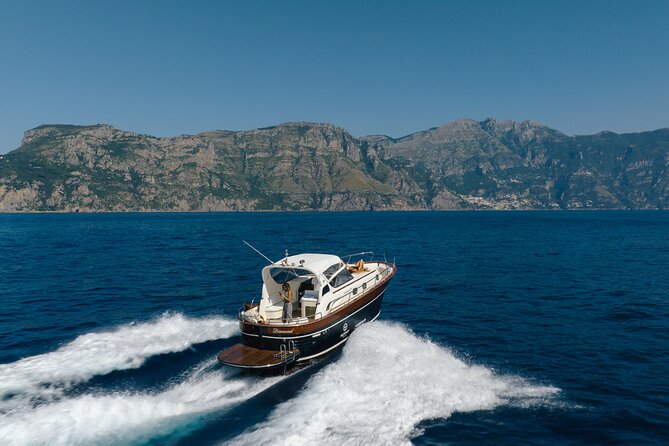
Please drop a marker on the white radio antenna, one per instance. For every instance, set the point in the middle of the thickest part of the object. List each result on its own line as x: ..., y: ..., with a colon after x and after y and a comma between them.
x: 263, y: 255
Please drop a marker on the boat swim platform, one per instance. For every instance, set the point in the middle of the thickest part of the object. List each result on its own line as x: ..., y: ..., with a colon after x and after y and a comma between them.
x: 245, y: 357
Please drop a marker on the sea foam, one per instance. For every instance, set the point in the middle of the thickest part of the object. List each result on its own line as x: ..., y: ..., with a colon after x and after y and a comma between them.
x: 386, y: 382
x: 124, y: 417
x: 99, y: 353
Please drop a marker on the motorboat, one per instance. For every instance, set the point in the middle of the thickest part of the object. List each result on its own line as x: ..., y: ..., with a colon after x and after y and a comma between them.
x: 330, y: 298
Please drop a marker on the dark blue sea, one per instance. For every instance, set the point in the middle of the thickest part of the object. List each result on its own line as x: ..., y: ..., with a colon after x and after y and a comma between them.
x: 500, y: 328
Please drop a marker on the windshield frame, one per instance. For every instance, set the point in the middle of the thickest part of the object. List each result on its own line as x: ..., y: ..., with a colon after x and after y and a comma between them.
x: 339, y: 265
x: 288, y: 273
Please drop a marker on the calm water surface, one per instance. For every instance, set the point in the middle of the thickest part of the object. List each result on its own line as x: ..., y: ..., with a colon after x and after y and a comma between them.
x: 500, y: 327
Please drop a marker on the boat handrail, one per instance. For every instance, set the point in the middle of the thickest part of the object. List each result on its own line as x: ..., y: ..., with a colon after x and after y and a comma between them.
x: 331, y: 306
x: 290, y: 321
x: 348, y: 256
x: 336, y: 303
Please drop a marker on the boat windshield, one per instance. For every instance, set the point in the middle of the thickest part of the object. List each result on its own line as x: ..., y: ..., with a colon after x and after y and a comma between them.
x: 283, y: 275
x: 341, y: 278
x: 332, y: 269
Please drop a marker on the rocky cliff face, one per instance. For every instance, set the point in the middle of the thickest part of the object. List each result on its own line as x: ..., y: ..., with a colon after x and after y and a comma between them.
x: 461, y: 165
x: 99, y: 168
x: 511, y: 165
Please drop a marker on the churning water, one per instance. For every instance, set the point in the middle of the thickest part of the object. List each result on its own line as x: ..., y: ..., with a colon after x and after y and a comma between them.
x: 500, y: 327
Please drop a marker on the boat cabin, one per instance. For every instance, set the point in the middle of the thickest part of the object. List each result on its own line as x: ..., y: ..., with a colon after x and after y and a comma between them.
x: 320, y: 283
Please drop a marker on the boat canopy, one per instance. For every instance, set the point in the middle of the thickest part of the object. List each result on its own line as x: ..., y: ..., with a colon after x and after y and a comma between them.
x: 283, y: 274
x: 302, y: 265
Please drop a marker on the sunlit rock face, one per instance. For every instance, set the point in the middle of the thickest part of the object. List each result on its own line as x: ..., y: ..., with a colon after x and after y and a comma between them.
x: 511, y: 165
x: 464, y: 164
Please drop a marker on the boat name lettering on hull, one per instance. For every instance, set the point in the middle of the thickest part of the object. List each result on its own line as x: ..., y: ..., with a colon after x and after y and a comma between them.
x: 279, y: 331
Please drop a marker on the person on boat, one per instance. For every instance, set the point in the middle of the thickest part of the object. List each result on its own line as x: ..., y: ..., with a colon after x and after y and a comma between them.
x: 287, y: 298
x: 358, y: 267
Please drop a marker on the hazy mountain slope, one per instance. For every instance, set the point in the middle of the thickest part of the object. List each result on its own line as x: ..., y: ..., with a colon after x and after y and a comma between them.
x: 527, y: 165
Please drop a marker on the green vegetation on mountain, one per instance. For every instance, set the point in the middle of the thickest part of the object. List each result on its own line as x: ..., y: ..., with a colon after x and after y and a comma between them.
x: 462, y: 165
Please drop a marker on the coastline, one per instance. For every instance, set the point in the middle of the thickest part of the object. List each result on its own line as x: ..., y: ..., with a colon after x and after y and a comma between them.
x: 324, y: 211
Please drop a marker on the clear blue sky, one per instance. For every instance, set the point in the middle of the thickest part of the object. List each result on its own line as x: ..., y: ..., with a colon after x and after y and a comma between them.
x: 166, y: 68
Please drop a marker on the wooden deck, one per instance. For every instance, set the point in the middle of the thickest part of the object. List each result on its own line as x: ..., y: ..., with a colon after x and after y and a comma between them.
x: 245, y: 357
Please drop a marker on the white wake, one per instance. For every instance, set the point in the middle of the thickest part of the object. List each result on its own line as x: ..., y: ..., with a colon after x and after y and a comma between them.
x: 386, y: 382
x: 99, y: 353
x: 124, y: 417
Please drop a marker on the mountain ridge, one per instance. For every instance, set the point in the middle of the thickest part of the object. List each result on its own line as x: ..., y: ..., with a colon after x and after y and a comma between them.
x: 297, y: 165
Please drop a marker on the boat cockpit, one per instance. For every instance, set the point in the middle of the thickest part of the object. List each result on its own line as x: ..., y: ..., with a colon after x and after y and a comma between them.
x: 318, y: 284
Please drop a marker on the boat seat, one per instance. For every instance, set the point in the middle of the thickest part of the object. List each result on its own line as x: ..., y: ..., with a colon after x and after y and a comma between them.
x: 305, y: 287
x: 274, y: 311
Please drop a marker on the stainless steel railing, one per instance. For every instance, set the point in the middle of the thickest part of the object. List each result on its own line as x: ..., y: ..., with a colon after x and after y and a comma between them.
x: 346, y: 298
x: 336, y: 303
